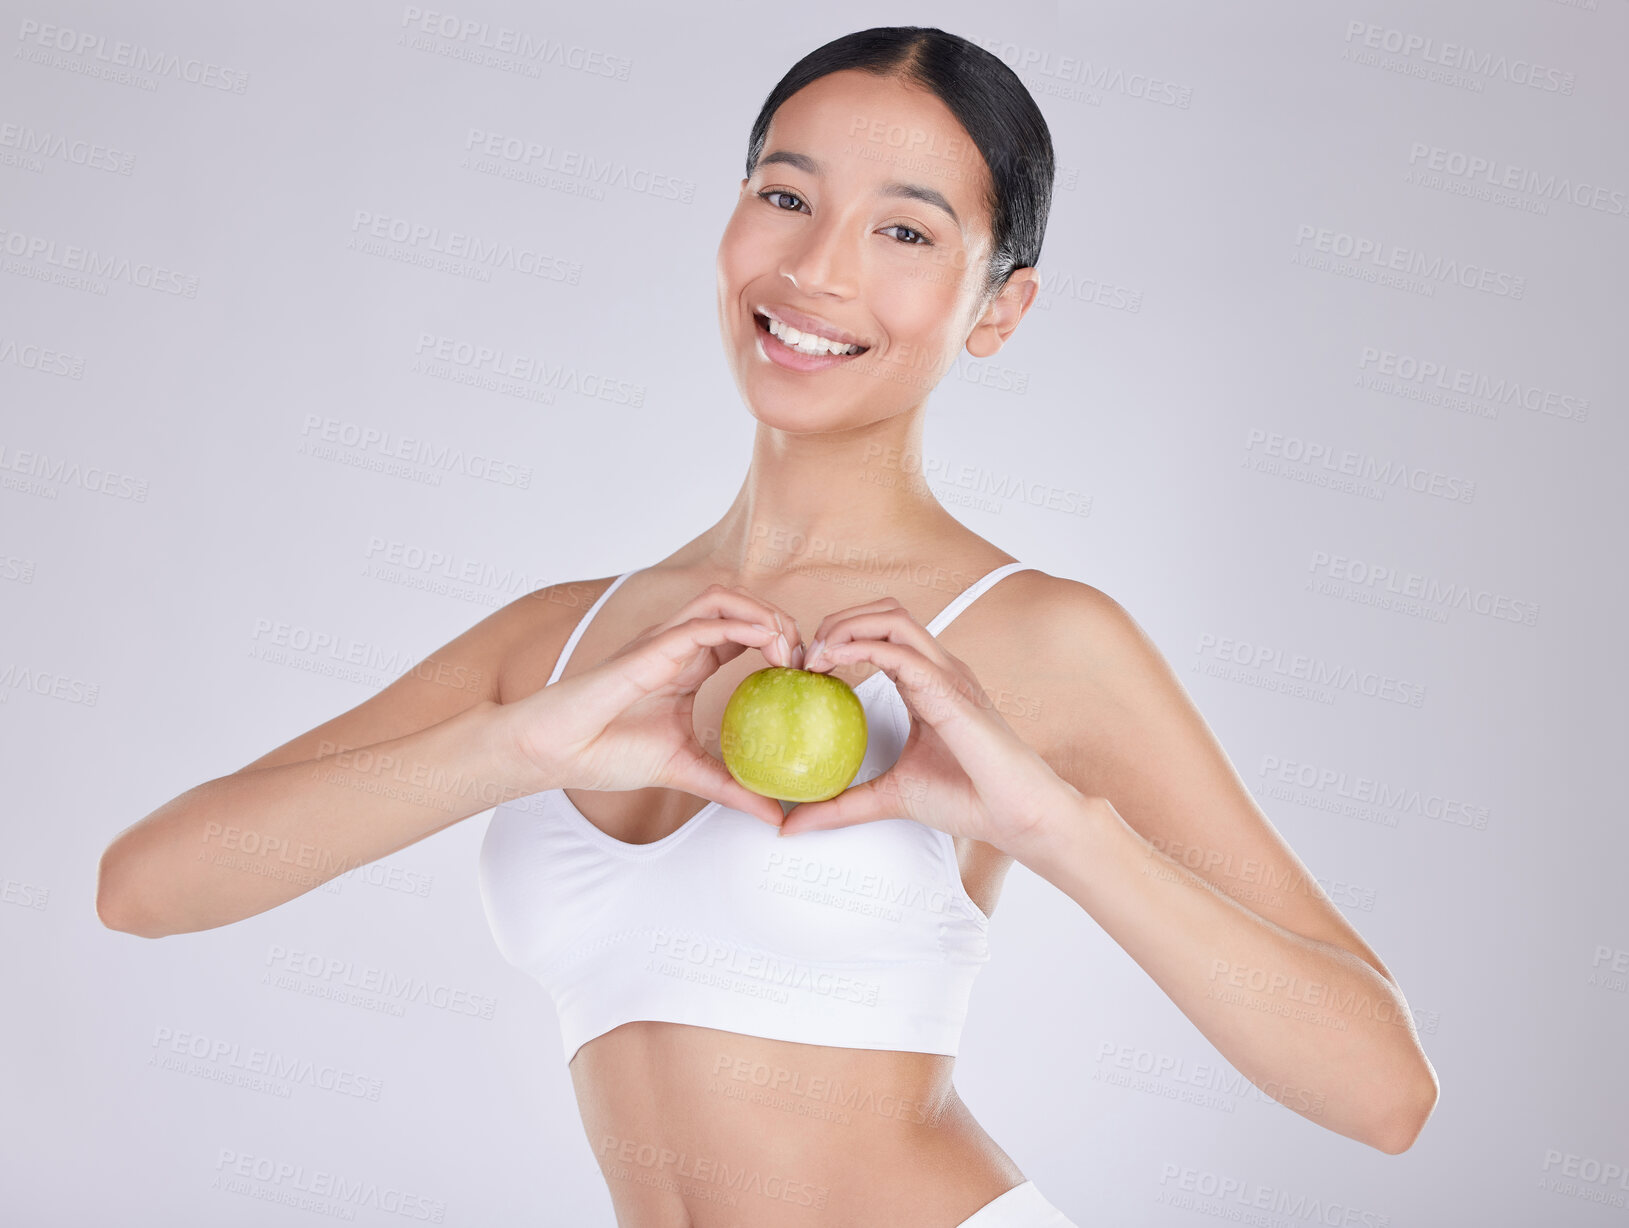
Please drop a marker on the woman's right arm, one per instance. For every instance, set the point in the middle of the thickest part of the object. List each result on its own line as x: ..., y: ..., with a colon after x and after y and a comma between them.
x: 430, y: 749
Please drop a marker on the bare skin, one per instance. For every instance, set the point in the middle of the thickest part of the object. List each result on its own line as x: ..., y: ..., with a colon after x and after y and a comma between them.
x: 887, y: 1139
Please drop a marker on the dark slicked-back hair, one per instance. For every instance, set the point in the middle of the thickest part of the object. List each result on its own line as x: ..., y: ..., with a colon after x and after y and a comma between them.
x: 984, y: 95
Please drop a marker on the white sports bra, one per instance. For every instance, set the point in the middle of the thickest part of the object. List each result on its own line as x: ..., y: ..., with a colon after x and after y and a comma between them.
x: 861, y: 936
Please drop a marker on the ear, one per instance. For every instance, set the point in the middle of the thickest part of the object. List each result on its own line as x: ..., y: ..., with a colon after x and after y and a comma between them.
x: 1004, y: 311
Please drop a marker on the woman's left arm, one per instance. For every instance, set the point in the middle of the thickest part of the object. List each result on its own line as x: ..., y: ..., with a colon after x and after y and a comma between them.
x: 1121, y: 796
x: 1160, y: 841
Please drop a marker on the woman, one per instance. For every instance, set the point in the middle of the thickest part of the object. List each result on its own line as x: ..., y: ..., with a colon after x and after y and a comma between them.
x: 761, y: 1008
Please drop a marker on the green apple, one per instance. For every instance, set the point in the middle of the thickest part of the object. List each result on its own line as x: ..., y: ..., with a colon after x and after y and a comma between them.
x: 793, y: 734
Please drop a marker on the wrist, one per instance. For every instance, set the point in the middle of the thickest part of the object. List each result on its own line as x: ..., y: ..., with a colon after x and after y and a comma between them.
x: 518, y: 767
x: 1055, y: 839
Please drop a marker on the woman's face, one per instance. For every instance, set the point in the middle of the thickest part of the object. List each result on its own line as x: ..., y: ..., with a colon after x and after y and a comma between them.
x: 864, y: 221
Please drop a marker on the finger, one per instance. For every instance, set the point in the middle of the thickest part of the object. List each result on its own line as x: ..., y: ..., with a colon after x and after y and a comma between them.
x: 701, y: 774
x: 733, y: 635
x: 931, y: 690
x: 672, y: 657
x: 717, y: 601
x: 894, y: 624
x: 880, y: 605
x: 860, y: 804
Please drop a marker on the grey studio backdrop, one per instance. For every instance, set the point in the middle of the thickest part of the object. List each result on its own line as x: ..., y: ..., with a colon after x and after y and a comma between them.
x: 325, y: 330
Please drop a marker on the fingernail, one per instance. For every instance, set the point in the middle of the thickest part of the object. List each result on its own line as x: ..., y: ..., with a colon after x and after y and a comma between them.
x: 797, y: 657
x: 786, y: 649
x: 814, y: 651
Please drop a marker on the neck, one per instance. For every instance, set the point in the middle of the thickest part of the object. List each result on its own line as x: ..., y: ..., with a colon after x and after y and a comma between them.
x: 848, y: 499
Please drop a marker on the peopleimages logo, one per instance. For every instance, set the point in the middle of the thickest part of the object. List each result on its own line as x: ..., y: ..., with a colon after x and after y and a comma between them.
x: 1046, y: 67
x: 1445, y: 377
x: 462, y: 245
x: 441, y: 457
x: 71, y: 257
x: 1497, y: 174
x: 1292, y: 456
x: 1460, y: 58
x: 1362, y: 250
x: 527, y: 48
x: 1318, y: 672
x: 1381, y: 577
x: 33, y: 144
x: 136, y: 57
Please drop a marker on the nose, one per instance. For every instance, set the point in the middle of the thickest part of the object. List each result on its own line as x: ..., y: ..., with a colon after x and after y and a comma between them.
x: 825, y: 261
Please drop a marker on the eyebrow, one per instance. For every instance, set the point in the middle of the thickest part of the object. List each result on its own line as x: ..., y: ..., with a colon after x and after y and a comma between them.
x: 909, y: 191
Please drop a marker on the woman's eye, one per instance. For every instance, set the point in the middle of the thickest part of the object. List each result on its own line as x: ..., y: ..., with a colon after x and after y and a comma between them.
x: 769, y: 195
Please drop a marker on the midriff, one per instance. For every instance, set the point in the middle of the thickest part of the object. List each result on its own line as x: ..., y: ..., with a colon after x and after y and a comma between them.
x: 699, y: 1128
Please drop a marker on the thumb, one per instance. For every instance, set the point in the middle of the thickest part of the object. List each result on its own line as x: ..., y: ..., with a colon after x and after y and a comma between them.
x: 860, y: 804
x: 699, y: 773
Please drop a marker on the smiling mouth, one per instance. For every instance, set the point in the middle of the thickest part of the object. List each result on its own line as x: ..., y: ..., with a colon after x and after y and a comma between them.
x: 809, y: 344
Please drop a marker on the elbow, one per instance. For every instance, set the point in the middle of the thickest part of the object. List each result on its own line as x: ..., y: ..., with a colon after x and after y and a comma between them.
x: 112, y: 911
x: 126, y: 923
x: 109, y: 903
x: 1405, y: 1122
x: 114, y: 907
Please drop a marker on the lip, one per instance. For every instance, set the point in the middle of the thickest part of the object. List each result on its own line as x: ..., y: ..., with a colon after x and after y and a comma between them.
x: 782, y: 355
x: 806, y: 323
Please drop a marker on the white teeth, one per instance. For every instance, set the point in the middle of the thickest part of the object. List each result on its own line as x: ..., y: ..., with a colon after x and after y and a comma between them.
x: 807, y: 343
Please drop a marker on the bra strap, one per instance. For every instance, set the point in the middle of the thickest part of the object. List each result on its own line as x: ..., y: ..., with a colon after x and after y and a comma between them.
x: 582, y: 625
x: 968, y: 595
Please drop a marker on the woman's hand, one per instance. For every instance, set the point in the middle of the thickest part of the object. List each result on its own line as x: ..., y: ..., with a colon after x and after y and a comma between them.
x: 962, y: 770
x: 627, y: 723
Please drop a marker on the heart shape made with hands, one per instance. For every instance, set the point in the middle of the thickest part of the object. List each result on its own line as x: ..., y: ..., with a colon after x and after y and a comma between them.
x: 963, y: 768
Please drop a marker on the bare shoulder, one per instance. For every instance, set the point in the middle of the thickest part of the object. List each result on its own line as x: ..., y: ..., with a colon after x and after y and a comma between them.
x: 1084, y: 634
x: 1108, y: 675
x: 1068, y: 659
x: 1047, y: 600
x: 1059, y: 603
x: 1034, y: 610
x: 534, y: 628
